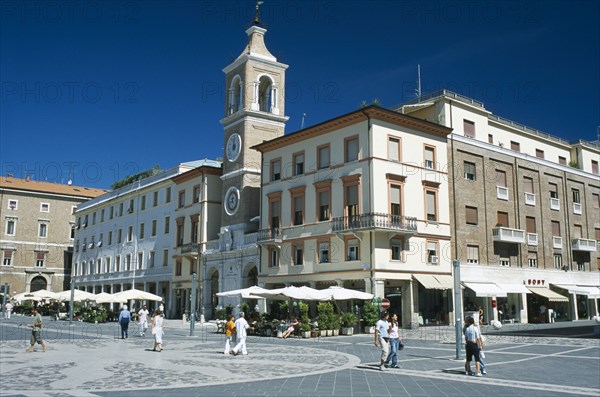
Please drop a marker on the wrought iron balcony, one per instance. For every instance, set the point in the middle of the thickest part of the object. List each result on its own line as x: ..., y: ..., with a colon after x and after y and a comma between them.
x: 507, y: 235
x: 272, y: 234
x: 190, y: 248
x: 374, y: 220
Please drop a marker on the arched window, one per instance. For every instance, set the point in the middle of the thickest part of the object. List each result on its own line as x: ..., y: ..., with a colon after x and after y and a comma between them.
x: 38, y: 283
x: 265, y: 88
x: 235, y: 96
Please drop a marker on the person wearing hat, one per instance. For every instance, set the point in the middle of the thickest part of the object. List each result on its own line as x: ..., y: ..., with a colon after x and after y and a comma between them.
x: 36, y: 331
x: 124, y: 319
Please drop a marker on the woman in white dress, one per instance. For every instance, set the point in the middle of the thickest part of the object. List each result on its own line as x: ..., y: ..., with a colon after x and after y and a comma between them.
x: 158, y: 330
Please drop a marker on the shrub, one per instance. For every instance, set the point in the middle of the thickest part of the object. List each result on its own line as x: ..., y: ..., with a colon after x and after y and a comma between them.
x: 326, y: 315
x: 348, y: 320
x: 370, y: 314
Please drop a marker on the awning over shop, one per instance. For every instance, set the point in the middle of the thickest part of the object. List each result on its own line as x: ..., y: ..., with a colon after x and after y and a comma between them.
x: 592, y: 291
x: 485, y: 289
x: 445, y: 281
x: 573, y: 289
x: 428, y: 281
x: 548, y: 293
x: 514, y: 288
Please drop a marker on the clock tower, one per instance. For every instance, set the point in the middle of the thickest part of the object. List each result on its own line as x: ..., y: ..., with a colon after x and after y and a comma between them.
x: 254, y: 112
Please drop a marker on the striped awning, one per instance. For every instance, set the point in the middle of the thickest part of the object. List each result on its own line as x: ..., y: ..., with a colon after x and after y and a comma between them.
x: 548, y: 293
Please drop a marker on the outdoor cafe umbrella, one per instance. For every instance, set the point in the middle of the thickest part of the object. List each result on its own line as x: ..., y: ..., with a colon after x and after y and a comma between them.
x: 36, y: 296
x: 105, y: 297
x: 78, y: 296
x: 292, y: 292
x: 136, y: 294
x: 249, y: 292
x: 340, y: 293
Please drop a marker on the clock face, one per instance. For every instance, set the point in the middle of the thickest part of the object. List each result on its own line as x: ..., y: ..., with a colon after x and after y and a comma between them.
x: 234, y: 146
x: 232, y: 200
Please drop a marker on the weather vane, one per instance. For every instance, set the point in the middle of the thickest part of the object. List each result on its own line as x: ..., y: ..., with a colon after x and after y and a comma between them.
x: 257, y: 13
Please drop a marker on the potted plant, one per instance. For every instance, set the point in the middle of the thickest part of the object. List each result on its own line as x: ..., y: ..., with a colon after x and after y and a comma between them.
x: 348, y: 321
x: 336, y: 323
x: 304, y: 320
x: 325, y: 310
x: 370, y: 316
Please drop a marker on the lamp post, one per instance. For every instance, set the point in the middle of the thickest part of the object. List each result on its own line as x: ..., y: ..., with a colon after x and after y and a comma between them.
x: 193, y: 304
x: 458, y: 313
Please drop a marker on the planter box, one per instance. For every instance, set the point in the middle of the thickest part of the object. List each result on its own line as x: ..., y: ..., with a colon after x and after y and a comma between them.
x: 347, y: 330
x: 336, y: 332
x: 323, y: 332
x: 329, y: 332
x: 314, y: 334
x: 306, y: 334
x: 369, y: 330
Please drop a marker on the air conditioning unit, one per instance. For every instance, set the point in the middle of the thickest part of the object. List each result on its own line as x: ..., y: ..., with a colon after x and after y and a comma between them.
x: 434, y: 259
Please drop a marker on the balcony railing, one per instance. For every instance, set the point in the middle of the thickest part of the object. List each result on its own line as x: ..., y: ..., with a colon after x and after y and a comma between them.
x: 250, y: 239
x: 582, y: 244
x: 190, y: 248
x: 374, y: 220
x: 554, y: 204
x: 212, y: 246
x: 557, y: 242
x: 532, y: 239
x: 272, y: 234
x: 507, y: 235
x: 577, y: 208
x: 529, y: 198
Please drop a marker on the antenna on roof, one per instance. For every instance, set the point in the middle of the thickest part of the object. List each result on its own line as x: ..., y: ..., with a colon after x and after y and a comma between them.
x: 302, y: 124
x: 418, y: 90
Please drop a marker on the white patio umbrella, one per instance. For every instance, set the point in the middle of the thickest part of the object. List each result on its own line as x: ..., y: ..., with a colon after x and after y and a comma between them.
x: 136, y: 294
x: 78, y: 296
x: 249, y: 292
x: 25, y: 296
x: 340, y: 293
x: 105, y: 297
x: 45, y: 294
x: 298, y: 293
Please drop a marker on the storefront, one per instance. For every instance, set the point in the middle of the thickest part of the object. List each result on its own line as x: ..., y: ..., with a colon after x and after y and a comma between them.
x: 434, y: 299
x: 545, y: 305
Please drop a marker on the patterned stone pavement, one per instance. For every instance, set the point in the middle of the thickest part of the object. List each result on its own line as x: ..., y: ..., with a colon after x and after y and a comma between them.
x: 89, y: 360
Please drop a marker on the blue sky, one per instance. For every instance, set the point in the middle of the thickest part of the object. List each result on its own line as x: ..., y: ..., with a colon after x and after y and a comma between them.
x: 94, y: 91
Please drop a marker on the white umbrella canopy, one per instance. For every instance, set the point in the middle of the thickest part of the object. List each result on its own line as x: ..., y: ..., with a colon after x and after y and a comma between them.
x: 25, y: 296
x: 78, y: 296
x: 249, y: 292
x: 105, y: 297
x: 136, y: 294
x: 298, y: 293
x: 35, y: 296
x: 340, y: 293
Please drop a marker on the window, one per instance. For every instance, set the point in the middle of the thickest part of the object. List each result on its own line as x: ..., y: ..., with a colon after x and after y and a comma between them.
x: 84, y: 246
x: 502, y: 219
x: 155, y: 198
x: 119, y: 236
x: 143, y: 203
x: 558, y: 261
x: 323, y: 160
x: 110, y: 238
x: 99, y: 266
x: 298, y: 163
x: 505, y: 262
x: 473, y: 254
x: 469, y: 128
x: 151, y: 255
x: 555, y: 229
x: 469, y: 169
x: 432, y: 256
x: 194, y: 231
x: 597, y: 234
x: 193, y: 266
x: 196, y: 194
x: 471, y: 215
x: 107, y: 265
x: 553, y: 190
x: 128, y: 264
x: 179, y: 232
x: 429, y: 157
x: 530, y: 224
x: 351, y: 197
x: 395, y: 203
x: 394, y: 148
x: 100, y: 240
x: 165, y: 259
x: 396, y: 248
x: 43, y: 230
x: 94, y: 218
x: 539, y: 153
x: 275, y: 170
x: 298, y: 209
x: 352, y: 250
x: 577, y: 231
x: 275, y: 211
x: 119, y: 214
x: 576, y: 197
x: 298, y: 255
x: 44, y: 207
x: 181, y: 199
x: 351, y: 149
x: 7, y: 258
x: 111, y: 212
x: 490, y: 139
x: 273, y: 257
x: 324, y: 252
x: 167, y: 195
x: 13, y: 204
x: 178, y: 266
x: 532, y: 260
x: 141, y: 233
x: 130, y: 233
x: 153, y: 228
x: 596, y: 200
x: 11, y: 226
x: 323, y: 199
x: 102, y: 215
x: 528, y: 185
x: 118, y: 263
x: 431, y: 203
x: 72, y: 233
x: 40, y: 258
x: 500, y: 178
x: 562, y: 160
x: 167, y: 224
x: 516, y: 146
x: 594, y: 167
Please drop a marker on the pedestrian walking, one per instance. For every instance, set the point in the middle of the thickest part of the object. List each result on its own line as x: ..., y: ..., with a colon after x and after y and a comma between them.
x: 143, y: 320
x: 158, y: 330
x: 473, y: 346
x: 382, y: 338
x: 36, y: 331
x: 8, y: 307
x: 394, y: 336
x: 229, y: 332
x: 124, y: 319
x: 241, y: 332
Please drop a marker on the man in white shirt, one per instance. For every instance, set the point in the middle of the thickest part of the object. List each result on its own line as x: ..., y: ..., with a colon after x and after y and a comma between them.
x: 143, y: 320
x: 473, y: 346
x: 382, y: 338
x: 241, y: 327
x: 8, y: 308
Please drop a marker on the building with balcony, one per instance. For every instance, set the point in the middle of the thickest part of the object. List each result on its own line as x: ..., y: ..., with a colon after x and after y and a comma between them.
x: 125, y: 238
x: 361, y: 201
x: 525, y: 212
x: 36, y: 241
x: 197, y: 219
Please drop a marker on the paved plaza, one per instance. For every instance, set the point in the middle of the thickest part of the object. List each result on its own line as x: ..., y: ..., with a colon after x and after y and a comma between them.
x: 91, y: 360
